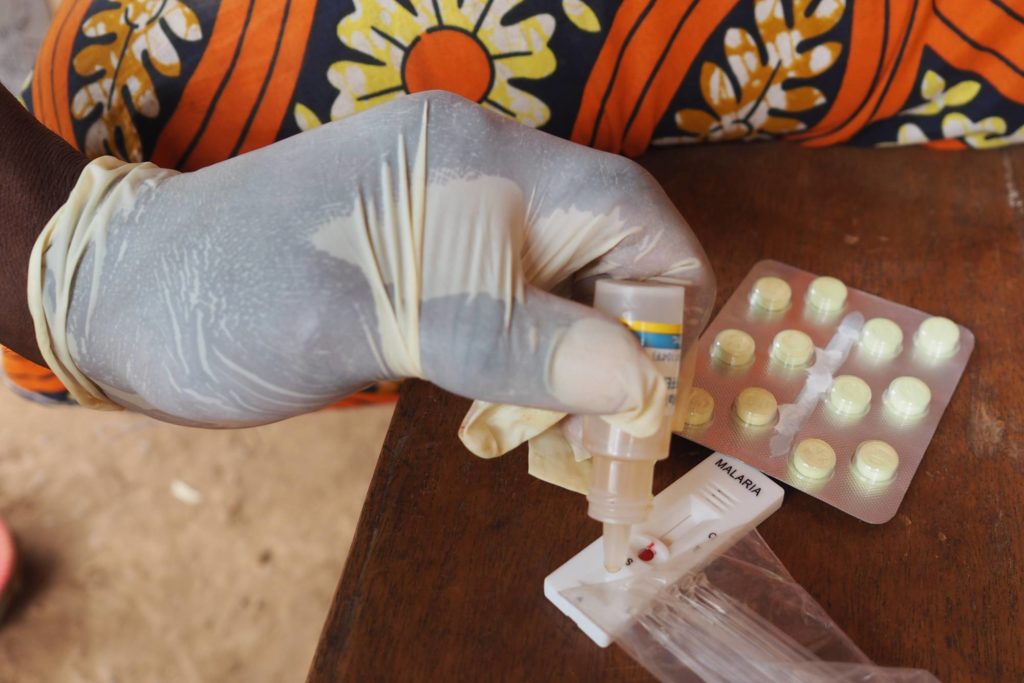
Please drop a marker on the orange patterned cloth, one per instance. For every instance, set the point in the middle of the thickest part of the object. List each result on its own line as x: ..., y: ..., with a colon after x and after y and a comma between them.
x: 188, y: 83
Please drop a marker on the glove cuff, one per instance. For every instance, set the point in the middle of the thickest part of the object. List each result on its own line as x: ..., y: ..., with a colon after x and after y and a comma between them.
x: 81, y: 223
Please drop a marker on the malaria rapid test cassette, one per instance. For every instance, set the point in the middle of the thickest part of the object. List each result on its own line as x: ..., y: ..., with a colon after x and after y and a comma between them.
x: 710, y: 506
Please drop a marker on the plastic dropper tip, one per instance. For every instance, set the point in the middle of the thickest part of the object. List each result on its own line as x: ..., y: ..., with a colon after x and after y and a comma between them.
x: 616, y: 546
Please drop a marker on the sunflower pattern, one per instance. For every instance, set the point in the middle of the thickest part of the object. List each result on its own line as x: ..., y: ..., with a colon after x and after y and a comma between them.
x: 464, y: 47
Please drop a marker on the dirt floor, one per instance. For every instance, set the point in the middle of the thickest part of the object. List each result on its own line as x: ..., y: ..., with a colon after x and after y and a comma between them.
x: 159, y: 553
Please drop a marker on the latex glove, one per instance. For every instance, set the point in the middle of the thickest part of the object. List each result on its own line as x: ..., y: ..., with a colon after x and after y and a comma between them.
x: 414, y: 240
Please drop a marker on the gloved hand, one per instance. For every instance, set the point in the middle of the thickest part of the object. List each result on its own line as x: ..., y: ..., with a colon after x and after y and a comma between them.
x: 420, y: 239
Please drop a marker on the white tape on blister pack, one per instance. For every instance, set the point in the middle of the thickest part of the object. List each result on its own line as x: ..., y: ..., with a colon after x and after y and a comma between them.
x: 792, y: 416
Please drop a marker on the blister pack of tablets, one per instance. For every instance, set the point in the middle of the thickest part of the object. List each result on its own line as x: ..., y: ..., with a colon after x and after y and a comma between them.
x: 832, y: 390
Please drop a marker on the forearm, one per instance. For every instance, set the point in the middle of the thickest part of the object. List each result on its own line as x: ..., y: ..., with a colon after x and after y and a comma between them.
x: 37, y: 172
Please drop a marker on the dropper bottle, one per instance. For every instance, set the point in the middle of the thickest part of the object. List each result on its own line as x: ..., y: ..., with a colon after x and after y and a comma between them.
x: 622, y: 472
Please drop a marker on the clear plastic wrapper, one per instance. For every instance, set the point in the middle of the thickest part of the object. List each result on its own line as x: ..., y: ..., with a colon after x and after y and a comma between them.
x: 740, y: 617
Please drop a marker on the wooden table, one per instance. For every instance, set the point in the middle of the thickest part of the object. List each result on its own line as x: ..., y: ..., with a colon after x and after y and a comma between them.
x: 444, y: 579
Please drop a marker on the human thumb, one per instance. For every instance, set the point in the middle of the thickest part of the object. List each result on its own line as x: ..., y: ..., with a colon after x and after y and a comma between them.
x: 562, y: 357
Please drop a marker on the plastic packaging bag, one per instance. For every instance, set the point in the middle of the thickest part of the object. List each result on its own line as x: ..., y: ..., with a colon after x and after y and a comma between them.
x: 741, y: 617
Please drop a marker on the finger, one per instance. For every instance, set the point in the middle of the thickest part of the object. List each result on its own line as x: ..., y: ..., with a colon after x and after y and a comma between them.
x: 541, y: 351
x: 492, y: 429
x: 634, y: 232
x: 489, y: 430
x: 617, y: 223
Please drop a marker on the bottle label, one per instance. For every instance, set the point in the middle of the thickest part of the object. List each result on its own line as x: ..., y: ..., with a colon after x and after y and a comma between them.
x: 663, y: 343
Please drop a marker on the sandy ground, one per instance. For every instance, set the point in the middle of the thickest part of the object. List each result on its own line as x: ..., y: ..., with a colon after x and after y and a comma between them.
x: 159, y: 553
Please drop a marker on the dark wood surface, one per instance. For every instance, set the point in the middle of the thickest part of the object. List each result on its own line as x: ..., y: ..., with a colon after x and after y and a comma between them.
x: 444, y: 580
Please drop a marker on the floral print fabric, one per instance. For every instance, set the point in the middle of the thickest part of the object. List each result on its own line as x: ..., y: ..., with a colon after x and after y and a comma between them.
x: 186, y: 83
